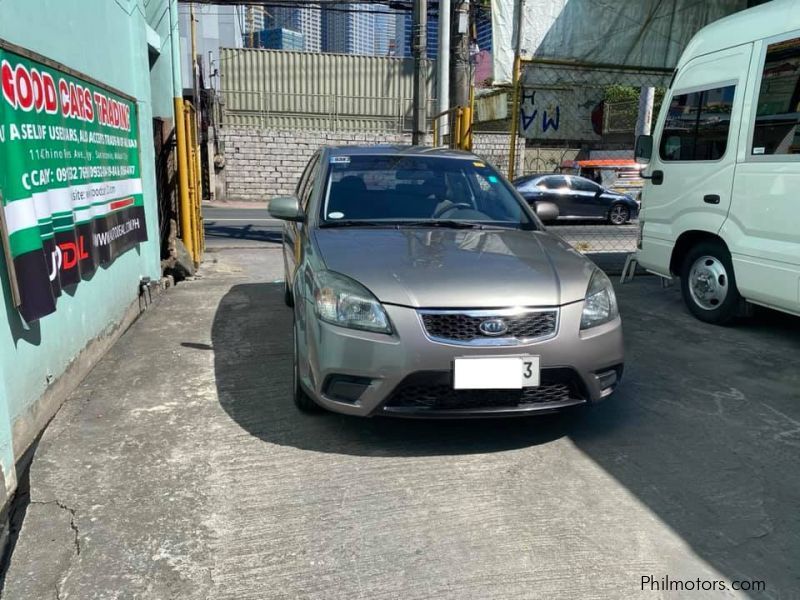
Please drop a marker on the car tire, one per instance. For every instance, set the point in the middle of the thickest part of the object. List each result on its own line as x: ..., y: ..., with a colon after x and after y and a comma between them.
x: 302, y: 400
x: 619, y: 214
x: 288, y: 297
x: 708, y: 284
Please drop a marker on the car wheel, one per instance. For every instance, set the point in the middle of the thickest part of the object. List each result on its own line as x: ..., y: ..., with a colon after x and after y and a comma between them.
x: 288, y: 297
x: 708, y: 284
x: 619, y: 214
x: 301, y: 400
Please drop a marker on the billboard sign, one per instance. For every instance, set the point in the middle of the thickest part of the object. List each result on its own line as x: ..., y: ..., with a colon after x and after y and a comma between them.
x: 70, y: 179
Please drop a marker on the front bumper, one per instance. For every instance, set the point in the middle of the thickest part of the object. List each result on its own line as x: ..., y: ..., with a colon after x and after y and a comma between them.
x: 365, y: 374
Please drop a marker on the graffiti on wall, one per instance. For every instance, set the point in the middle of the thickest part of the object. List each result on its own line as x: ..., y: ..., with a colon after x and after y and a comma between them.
x: 561, y: 114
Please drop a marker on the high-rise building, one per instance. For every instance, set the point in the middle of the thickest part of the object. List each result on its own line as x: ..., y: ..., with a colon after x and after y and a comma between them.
x: 360, y: 29
x: 404, y: 30
x: 484, y: 32
x: 254, y: 21
x: 281, y: 39
x: 306, y: 20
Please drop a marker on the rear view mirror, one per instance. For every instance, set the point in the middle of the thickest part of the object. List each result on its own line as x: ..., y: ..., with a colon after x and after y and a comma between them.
x: 644, y: 149
x: 286, y: 208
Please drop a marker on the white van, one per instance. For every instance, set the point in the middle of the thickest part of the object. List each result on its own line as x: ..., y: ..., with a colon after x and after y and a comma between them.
x: 721, y: 203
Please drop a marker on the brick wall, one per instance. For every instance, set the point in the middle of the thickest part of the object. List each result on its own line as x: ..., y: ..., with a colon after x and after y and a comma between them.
x: 261, y: 163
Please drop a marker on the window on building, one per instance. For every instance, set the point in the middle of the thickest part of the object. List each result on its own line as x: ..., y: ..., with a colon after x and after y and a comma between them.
x: 697, y: 125
x: 778, y: 110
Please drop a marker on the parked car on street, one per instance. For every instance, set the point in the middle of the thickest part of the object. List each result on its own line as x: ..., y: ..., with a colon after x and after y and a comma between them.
x: 720, y: 199
x: 577, y: 198
x: 423, y: 285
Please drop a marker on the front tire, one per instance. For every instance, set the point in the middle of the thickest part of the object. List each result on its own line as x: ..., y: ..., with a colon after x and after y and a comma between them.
x: 288, y: 297
x: 708, y: 284
x: 302, y: 401
x: 619, y: 214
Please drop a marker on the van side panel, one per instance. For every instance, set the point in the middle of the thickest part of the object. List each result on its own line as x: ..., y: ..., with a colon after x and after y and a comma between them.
x: 763, y: 226
x: 681, y: 203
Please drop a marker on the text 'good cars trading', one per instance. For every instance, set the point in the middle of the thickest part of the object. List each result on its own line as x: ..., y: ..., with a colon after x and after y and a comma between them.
x: 423, y: 285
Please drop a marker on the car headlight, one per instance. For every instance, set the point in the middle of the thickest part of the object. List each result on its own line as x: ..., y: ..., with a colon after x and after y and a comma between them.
x: 600, y: 305
x: 342, y: 301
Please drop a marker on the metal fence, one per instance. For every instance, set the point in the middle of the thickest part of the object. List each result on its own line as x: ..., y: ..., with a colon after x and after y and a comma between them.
x: 586, y: 114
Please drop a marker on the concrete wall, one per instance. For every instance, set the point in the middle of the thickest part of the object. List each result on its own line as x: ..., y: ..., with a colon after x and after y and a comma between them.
x: 39, y: 363
x: 261, y: 163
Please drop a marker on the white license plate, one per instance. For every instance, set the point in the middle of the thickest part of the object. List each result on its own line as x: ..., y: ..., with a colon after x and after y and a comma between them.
x: 496, y: 373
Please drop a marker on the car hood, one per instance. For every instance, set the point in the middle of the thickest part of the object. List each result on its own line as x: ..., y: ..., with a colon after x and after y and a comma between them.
x: 456, y: 268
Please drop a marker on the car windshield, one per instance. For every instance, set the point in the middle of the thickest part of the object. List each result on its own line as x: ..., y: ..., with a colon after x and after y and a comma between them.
x: 411, y: 191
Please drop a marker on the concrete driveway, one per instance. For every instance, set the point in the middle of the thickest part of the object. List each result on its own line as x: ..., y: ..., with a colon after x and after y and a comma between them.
x: 181, y: 469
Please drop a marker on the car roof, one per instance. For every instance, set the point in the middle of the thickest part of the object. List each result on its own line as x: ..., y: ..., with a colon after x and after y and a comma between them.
x: 395, y: 150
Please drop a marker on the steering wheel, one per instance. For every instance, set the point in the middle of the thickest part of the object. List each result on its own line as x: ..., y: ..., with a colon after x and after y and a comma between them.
x: 449, y: 207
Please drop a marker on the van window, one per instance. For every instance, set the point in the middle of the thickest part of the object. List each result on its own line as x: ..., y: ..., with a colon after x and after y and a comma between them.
x: 697, y: 125
x: 778, y: 110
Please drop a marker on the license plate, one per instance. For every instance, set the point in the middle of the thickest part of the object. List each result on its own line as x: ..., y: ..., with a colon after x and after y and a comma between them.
x: 496, y: 373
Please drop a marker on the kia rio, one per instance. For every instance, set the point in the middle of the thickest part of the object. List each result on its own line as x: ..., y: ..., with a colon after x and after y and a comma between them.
x: 423, y: 285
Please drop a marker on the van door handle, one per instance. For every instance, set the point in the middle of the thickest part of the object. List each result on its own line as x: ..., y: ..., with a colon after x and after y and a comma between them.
x: 711, y: 199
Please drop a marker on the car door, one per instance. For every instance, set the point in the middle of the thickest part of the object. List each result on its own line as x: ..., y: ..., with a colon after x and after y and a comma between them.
x: 690, y: 176
x: 556, y: 189
x: 586, y: 198
x: 292, y: 231
x: 762, y: 229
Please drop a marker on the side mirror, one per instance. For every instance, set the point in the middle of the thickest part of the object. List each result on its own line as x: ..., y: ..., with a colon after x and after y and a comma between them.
x: 546, y: 211
x: 644, y: 149
x: 286, y: 208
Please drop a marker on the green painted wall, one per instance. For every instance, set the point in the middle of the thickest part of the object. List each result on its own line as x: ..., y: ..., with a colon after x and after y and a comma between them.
x: 107, y: 40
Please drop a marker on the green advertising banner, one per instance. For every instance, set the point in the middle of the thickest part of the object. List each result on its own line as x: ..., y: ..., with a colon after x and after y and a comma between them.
x: 69, y: 178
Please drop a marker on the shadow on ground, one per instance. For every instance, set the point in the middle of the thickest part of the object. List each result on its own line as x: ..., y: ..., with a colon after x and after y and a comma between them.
x: 251, y: 338
x: 248, y: 232
x: 705, y: 430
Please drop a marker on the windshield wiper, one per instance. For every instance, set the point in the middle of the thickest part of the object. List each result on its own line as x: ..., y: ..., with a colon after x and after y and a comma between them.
x: 448, y: 223
x: 356, y: 223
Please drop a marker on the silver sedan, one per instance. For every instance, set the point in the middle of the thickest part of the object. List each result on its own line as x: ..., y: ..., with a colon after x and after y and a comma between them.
x: 423, y: 285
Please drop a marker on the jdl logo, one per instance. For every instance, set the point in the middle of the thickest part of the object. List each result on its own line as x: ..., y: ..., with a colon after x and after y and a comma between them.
x: 66, y: 256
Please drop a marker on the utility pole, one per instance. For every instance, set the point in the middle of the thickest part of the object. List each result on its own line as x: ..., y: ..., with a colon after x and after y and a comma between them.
x: 516, y: 85
x: 419, y: 18
x: 443, y: 63
x: 459, y: 61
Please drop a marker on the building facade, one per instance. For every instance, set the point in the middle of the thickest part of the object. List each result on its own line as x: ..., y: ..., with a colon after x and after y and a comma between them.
x: 281, y: 39
x: 404, y: 30
x: 356, y: 29
x: 119, y: 55
x: 215, y: 27
x: 305, y: 20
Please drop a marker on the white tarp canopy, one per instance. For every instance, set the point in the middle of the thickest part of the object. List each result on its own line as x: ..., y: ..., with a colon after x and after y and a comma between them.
x: 643, y: 33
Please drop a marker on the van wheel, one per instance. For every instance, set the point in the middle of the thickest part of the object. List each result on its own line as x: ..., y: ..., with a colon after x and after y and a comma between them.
x: 302, y: 401
x: 708, y: 284
x: 619, y: 214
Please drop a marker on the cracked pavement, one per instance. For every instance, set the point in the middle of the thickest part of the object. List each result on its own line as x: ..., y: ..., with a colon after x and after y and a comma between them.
x: 180, y: 469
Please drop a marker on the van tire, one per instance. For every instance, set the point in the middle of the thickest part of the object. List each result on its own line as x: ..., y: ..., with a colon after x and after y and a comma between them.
x: 708, y: 283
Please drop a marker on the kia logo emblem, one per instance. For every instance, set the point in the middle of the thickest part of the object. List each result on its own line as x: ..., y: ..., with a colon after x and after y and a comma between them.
x: 493, y: 327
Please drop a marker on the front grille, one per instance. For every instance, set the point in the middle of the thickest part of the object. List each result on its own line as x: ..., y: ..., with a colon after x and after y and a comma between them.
x: 465, y: 327
x: 434, y: 391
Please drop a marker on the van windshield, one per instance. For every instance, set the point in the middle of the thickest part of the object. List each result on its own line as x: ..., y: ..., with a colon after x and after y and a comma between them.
x: 419, y: 190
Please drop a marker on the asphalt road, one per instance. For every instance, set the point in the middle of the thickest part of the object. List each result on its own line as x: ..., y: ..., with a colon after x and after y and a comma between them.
x: 181, y: 469
x: 239, y: 227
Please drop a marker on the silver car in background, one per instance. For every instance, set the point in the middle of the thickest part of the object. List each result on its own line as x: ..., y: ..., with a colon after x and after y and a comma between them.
x: 423, y: 285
